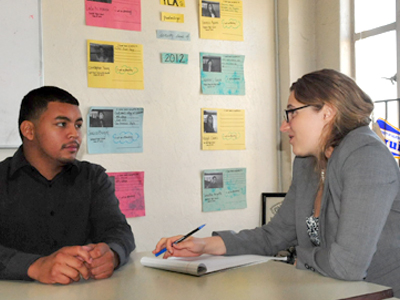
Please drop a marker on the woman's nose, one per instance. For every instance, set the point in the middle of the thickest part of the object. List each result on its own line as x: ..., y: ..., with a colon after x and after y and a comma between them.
x: 284, y: 126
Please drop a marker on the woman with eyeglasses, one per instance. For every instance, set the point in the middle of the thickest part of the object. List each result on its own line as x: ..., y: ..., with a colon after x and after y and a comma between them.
x: 342, y: 211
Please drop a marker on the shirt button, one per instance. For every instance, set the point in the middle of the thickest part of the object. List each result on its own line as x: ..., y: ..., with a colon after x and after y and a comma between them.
x: 307, y: 266
x: 52, y: 213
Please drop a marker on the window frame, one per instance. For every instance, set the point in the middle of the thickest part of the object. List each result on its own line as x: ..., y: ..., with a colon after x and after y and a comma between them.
x: 376, y: 31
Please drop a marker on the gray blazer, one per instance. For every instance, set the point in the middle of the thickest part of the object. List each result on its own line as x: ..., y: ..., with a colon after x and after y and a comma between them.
x: 359, y: 219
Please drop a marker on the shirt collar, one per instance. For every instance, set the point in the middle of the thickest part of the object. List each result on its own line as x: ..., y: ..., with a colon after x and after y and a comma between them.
x: 19, y: 161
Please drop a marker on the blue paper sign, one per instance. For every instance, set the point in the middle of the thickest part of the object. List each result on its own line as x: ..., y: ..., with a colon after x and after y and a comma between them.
x: 115, y: 130
x: 222, y: 74
x: 174, y: 58
x: 224, y: 189
x: 173, y: 35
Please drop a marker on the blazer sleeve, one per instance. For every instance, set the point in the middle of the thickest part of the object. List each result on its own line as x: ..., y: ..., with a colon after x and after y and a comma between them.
x: 362, y: 186
x: 278, y: 234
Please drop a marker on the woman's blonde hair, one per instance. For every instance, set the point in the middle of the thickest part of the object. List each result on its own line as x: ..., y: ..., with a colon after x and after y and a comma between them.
x: 353, y: 106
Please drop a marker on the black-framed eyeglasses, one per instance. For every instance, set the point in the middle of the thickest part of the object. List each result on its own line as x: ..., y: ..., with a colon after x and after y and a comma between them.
x: 289, y: 112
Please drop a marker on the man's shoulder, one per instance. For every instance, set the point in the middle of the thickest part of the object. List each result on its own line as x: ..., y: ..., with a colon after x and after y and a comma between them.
x: 5, y: 165
x: 88, y: 172
x: 11, y: 164
x: 6, y: 161
x: 87, y: 166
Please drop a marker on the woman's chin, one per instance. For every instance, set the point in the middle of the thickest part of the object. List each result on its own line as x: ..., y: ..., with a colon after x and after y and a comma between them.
x: 299, y: 152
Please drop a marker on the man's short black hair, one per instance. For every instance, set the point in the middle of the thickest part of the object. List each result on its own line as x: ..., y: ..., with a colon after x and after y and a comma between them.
x: 35, y: 102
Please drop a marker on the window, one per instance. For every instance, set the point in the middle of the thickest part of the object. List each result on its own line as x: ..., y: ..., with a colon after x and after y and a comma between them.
x: 376, y: 54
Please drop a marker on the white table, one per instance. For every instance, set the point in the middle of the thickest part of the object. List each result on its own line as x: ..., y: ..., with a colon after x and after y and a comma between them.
x: 271, y: 280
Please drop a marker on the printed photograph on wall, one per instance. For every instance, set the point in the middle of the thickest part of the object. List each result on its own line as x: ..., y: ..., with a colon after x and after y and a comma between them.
x: 213, y: 180
x: 210, y: 121
x: 210, y: 9
x: 101, y: 118
x: 212, y: 64
x: 101, y: 53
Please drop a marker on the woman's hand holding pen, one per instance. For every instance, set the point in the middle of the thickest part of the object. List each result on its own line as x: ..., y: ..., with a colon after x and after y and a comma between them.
x: 191, y: 246
x: 188, y: 247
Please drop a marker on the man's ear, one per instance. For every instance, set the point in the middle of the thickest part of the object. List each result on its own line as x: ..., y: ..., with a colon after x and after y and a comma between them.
x: 27, y: 129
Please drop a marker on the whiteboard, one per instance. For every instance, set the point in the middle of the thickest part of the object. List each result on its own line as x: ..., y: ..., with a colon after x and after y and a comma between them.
x: 20, y: 62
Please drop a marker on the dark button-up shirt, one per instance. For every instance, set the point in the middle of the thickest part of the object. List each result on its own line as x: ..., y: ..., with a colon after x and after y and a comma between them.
x: 40, y: 216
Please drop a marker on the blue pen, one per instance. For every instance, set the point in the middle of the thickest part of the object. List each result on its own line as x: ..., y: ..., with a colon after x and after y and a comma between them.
x: 181, y: 239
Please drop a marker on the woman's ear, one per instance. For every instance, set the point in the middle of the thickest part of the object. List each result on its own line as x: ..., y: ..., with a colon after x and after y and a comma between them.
x: 329, y: 112
x: 27, y: 129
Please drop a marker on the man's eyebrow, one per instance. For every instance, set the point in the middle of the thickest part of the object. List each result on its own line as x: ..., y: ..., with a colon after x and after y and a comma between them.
x: 64, y: 118
x: 290, y: 106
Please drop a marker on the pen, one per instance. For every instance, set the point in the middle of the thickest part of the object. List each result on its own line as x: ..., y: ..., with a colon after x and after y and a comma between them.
x: 181, y: 239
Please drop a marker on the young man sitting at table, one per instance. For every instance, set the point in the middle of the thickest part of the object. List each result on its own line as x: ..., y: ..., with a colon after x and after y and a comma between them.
x: 59, y: 217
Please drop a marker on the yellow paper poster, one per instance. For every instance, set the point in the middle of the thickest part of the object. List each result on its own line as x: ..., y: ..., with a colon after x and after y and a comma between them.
x: 115, y: 65
x: 221, y: 20
x: 223, y: 129
x: 178, y: 3
x: 175, y: 18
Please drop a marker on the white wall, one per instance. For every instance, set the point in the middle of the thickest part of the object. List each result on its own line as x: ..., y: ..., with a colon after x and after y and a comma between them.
x: 297, y: 56
x: 334, y: 33
x: 309, y: 39
x: 313, y: 34
x: 172, y: 159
